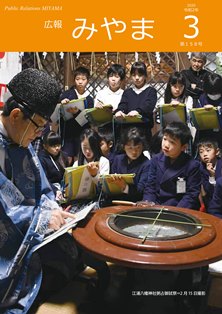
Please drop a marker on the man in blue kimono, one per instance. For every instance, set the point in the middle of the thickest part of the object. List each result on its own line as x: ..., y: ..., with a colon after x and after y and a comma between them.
x: 174, y: 177
x: 27, y: 205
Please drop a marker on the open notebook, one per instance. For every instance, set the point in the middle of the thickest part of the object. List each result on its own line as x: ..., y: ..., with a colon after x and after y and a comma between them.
x: 129, y: 119
x: 79, y: 183
x: 204, y: 119
x: 66, y: 109
x: 70, y: 223
x: 99, y: 116
x: 171, y: 113
x: 110, y: 187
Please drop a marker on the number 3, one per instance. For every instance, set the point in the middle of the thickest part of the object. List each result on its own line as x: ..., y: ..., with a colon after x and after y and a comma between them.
x: 196, y: 29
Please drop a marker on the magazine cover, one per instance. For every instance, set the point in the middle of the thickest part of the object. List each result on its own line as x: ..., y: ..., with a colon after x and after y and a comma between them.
x: 111, y: 67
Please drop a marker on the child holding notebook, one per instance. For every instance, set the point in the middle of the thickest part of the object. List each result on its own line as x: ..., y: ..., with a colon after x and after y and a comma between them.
x: 90, y: 153
x: 131, y: 161
x: 140, y: 99
x: 70, y: 129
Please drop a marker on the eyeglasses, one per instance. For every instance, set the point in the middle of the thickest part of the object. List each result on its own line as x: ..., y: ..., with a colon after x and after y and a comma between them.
x: 39, y: 128
x: 25, y: 108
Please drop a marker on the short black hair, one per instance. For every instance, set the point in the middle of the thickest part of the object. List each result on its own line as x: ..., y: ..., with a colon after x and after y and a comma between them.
x: 138, y: 67
x: 175, y: 78
x: 155, y: 142
x: 178, y: 130
x: 116, y: 69
x: 94, y: 142
x: 106, y: 134
x: 133, y: 134
x: 207, y: 142
x: 51, y: 138
x: 213, y: 84
x: 11, y: 104
x: 81, y: 71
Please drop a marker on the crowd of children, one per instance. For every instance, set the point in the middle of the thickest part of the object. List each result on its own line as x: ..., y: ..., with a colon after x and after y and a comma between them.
x: 166, y: 170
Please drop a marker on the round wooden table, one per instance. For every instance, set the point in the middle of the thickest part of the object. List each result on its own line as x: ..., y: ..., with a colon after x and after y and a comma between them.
x: 97, y: 236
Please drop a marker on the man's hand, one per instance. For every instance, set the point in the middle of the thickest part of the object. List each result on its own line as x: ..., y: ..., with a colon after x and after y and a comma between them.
x: 57, y: 219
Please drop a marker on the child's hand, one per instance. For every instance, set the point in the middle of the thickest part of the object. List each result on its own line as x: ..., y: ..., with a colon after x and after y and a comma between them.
x: 65, y: 101
x: 133, y: 113
x: 99, y: 104
x: 120, y: 115
x: 93, y: 168
x: 118, y: 180
x: 210, y: 169
x: 174, y: 103
x: 208, y: 107
x: 72, y: 110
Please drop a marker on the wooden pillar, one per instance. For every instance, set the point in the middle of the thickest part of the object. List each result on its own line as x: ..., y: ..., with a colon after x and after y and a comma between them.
x: 68, y: 75
x: 122, y: 61
x: 184, y: 62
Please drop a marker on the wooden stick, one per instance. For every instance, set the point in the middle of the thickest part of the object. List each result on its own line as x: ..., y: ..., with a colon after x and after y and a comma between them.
x: 123, y: 203
x: 149, y: 229
x: 162, y: 220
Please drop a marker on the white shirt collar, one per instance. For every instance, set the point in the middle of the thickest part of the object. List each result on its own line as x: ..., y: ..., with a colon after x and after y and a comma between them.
x: 139, y: 90
x: 110, y: 92
x: 83, y: 95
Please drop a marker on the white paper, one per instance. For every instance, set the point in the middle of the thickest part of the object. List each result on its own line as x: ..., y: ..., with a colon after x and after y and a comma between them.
x: 81, y: 118
x: 70, y: 224
x: 216, y: 267
x: 75, y: 103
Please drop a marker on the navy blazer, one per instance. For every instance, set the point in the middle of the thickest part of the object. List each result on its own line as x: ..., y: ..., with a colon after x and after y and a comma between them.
x: 162, y: 181
x: 215, y: 205
x: 208, y: 187
x: 54, y: 170
x: 144, y: 103
x: 140, y: 167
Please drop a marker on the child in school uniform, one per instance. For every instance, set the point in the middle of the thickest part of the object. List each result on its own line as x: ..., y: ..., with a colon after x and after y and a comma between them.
x: 71, y: 129
x: 53, y: 161
x: 131, y: 161
x: 90, y: 153
x: 111, y: 94
x: 107, y: 143
x: 138, y: 99
x: 175, y: 94
x: 212, y: 97
x: 215, y: 204
x: 174, y: 177
x: 211, y: 167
